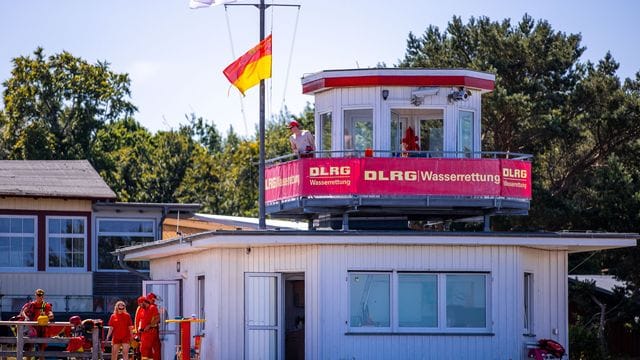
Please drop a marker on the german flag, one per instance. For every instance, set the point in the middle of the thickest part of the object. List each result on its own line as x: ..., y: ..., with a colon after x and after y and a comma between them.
x: 250, y: 68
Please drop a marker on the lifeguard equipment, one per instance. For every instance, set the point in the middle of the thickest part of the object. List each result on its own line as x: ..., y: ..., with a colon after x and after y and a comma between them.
x: 43, y: 320
x: 545, y: 349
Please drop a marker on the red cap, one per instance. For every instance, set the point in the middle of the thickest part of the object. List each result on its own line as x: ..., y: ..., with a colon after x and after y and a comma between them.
x: 292, y: 124
x: 142, y: 299
x: 75, y: 320
x: 151, y: 296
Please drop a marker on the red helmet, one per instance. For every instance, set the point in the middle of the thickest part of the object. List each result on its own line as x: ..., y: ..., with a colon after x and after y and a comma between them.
x: 75, y: 320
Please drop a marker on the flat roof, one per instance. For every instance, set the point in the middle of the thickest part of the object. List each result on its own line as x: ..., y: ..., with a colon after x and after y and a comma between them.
x: 169, y: 207
x: 408, y: 77
x: 568, y: 241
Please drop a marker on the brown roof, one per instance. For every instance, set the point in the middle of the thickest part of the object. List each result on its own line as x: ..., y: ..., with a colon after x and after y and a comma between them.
x: 52, y: 178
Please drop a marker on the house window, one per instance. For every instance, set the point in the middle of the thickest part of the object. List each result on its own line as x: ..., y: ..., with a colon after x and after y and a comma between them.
x: 432, y: 136
x: 466, y: 301
x: 115, y: 233
x: 66, y: 239
x: 17, y: 242
x: 358, y: 129
x: 370, y: 299
x: 465, y: 134
x: 200, y: 306
x: 325, y: 132
x: 418, y: 302
x: 528, y: 303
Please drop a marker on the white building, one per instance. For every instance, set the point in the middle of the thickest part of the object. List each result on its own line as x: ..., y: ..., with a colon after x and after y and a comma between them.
x: 379, y: 294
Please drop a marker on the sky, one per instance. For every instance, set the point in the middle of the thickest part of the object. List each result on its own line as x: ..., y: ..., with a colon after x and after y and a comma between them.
x: 175, y: 55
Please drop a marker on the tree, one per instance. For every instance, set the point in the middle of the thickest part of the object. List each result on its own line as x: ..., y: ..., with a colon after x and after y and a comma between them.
x: 572, y: 117
x: 54, y: 106
x: 580, y: 122
x: 121, y: 150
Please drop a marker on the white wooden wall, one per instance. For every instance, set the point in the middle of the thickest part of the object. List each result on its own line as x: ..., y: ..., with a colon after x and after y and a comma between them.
x: 340, y: 99
x: 551, y: 286
x: 326, y: 303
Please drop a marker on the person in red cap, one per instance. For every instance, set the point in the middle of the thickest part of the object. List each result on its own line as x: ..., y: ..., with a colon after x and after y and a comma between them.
x: 156, y: 347
x: 32, y: 310
x: 147, y: 328
x: 302, y: 141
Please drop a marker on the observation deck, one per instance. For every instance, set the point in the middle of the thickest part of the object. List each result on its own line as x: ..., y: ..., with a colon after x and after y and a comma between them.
x: 398, y: 143
x: 416, y: 187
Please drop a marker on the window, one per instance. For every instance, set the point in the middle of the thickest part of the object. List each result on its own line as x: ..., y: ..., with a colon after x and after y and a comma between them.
x: 115, y: 233
x: 432, y: 136
x: 465, y: 134
x: 358, y: 129
x: 396, y: 133
x: 528, y: 303
x: 325, y: 132
x: 17, y: 242
x: 370, y: 300
x: 200, y: 306
x: 466, y: 301
x: 418, y: 302
x: 66, y: 239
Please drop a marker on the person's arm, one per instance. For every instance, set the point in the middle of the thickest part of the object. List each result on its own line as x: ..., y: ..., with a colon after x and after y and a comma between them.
x: 294, y: 148
x: 312, y: 140
x: 49, y: 311
x: 24, y: 311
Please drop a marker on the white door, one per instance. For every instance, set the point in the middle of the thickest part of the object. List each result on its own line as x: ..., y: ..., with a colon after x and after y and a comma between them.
x: 263, y: 318
x: 168, y: 302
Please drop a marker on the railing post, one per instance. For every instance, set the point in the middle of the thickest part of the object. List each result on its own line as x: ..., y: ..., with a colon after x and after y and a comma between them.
x: 19, y: 341
x: 96, y: 345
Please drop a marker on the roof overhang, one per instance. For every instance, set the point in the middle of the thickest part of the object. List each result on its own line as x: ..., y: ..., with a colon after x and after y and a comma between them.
x: 571, y: 242
x: 133, y: 206
x: 408, y: 77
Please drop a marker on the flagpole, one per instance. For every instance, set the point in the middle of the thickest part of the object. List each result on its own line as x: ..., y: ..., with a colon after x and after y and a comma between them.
x: 262, y: 222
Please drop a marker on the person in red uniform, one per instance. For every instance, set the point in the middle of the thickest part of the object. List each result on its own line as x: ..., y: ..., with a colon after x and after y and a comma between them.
x: 33, y: 309
x: 148, y: 328
x: 120, y: 327
x: 157, y: 349
x: 136, y: 326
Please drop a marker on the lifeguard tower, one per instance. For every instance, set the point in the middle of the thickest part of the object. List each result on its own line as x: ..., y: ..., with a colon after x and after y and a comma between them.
x: 400, y: 144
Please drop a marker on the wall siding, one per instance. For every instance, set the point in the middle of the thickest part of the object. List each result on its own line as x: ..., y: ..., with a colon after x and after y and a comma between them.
x: 326, y: 291
x: 42, y: 204
x: 53, y: 283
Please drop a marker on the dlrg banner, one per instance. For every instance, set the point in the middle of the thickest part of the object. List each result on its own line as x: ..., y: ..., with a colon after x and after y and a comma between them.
x: 393, y: 176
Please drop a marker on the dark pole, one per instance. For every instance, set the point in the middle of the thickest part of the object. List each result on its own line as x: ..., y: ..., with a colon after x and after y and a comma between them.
x: 262, y: 223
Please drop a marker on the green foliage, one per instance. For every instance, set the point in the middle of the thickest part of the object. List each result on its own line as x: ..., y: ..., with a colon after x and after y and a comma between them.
x: 583, y: 343
x: 120, y: 153
x: 54, y: 106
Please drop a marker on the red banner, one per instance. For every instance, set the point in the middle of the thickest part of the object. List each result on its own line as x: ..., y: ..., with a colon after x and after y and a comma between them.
x: 398, y: 176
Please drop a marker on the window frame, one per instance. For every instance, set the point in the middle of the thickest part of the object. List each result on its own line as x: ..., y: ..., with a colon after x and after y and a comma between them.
x: 98, y: 234
x: 322, y: 141
x: 372, y: 329
x: 460, y: 152
x: 35, y: 243
x: 83, y: 236
x: 528, y: 303
x: 357, y: 115
x: 442, y: 327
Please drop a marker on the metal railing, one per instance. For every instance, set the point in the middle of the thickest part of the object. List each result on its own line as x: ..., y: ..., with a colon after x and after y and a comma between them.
x: 406, y: 154
x: 13, y: 347
x: 96, y: 304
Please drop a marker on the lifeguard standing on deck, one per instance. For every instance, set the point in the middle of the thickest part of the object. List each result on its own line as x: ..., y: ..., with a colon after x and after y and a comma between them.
x: 156, y: 347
